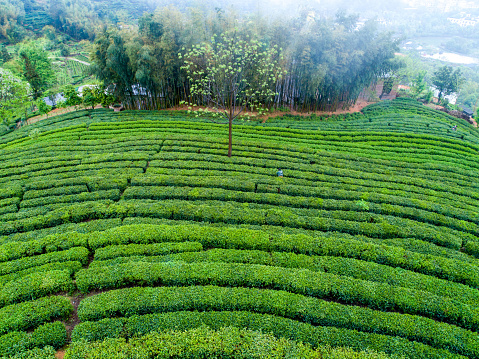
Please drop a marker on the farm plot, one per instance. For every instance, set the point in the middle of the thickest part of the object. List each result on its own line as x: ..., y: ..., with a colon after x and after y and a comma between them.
x: 119, y: 229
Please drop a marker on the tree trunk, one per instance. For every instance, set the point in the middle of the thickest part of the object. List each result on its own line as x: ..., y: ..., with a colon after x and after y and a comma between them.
x: 230, y: 136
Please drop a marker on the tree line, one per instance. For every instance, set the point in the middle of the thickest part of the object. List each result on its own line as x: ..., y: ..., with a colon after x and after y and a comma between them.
x: 326, y: 62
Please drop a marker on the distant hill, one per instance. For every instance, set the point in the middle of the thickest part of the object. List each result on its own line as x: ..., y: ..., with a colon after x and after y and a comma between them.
x: 76, y: 18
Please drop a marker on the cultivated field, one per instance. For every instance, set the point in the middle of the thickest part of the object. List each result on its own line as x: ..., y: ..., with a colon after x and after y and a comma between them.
x: 115, y: 226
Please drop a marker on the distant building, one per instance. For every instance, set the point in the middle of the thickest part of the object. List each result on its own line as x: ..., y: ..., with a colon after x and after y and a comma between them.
x: 54, y: 100
x: 464, y: 21
x: 444, y: 5
x: 467, y: 112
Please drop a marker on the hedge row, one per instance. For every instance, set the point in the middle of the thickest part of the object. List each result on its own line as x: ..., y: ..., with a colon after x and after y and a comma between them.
x: 68, y: 213
x: 82, y: 227
x: 50, y: 334
x: 457, y: 175
x: 47, y: 352
x: 203, y: 342
x: 43, y: 166
x: 113, y: 194
x: 278, y: 326
x: 379, y: 296
x: 25, y: 213
x: 312, y: 202
x: 214, y: 211
x: 27, y: 315
x: 451, y: 204
x: 46, y: 184
x: 294, y: 175
x: 36, y: 285
x: 81, y: 170
x: 410, y: 153
x: 149, y: 249
x: 114, y: 157
x: 304, y: 167
x: 354, y: 268
x: 9, y: 209
x: 12, y: 189
x: 10, y: 201
x: 79, y: 254
x: 237, y: 238
x: 70, y: 266
x: 55, y: 191
x: 277, y: 133
x: 17, y: 249
x: 294, y: 187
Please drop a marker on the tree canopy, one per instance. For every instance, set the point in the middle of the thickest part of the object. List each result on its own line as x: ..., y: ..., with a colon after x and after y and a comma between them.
x: 36, y: 68
x: 328, y: 61
x: 447, y: 80
x: 15, y: 97
x: 230, y: 73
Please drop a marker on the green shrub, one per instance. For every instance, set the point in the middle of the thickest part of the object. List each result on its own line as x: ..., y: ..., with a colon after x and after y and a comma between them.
x: 27, y: 315
x: 36, y: 285
x: 148, y: 249
x: 239, y: 238
x: 230, y: 342
x: 280, y: 327
x: 73, y: 254
x: 133, y: 301
x: 50, y: 334
x: 333, y: 265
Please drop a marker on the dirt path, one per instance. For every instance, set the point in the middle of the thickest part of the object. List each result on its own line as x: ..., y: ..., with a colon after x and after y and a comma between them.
x: 55, y: 112
x: 356, y: 108
x: 360, y: 104
x: 70, y: 58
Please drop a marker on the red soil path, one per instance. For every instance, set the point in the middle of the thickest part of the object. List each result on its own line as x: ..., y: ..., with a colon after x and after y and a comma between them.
x: 360, y: 104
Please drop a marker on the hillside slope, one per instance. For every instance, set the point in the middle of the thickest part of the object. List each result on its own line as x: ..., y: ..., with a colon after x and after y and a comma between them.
x: 115, y: 225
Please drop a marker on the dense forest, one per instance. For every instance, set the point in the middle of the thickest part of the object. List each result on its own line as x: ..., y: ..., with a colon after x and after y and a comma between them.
x: 137, y: 48
x: 328, y: 62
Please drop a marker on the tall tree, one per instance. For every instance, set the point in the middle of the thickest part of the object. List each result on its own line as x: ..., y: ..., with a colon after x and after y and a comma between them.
x: 37, y: 69
x: 15, y: 97
x: 447, y: 80
x: 230, y: 74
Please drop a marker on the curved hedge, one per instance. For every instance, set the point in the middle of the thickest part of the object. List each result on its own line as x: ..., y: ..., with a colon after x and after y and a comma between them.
x: 228, y: 342
x: 134, y: 301
x: 280, y: 327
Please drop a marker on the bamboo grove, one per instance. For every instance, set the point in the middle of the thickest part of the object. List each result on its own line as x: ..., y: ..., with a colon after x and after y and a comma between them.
x: 328, y: 62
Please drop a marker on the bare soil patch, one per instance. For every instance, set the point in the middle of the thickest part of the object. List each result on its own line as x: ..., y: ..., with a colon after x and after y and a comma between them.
x: 360, y: 104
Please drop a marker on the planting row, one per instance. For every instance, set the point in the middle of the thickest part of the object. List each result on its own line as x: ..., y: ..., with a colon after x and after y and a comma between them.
x: 400, y: 165
x: 230, y: 212
x: 162, y: 157
x: 278, y: 326
x: 149, y: 253
x: 296, y: 183
x: 50, y: 334
x: 379, y: 296
x: 234, y: 212
x: 295, y: 197
x: 230, y: 342
x: 235, y: 238
x: 134, y: 301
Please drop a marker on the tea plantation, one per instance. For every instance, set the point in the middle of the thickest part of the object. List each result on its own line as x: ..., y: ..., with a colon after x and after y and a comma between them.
x: 133, y: 235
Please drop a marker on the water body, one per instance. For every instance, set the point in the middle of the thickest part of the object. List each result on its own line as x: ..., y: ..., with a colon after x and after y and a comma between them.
x: 454, y: 58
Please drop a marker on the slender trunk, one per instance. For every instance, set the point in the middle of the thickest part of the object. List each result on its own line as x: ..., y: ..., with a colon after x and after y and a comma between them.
x: 230, y: 135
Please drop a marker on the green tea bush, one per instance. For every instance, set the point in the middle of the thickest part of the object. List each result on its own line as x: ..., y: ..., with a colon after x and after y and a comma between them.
x: 230, y: 342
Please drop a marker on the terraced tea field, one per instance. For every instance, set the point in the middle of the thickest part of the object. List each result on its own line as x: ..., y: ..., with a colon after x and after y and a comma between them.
x: 133, y: 235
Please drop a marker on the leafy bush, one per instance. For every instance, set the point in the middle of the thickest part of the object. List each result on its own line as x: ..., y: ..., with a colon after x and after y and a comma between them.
x: 230, y: 342
x: 50, y: 334
x: 280, y: 327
